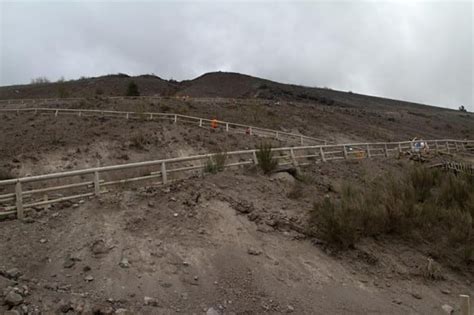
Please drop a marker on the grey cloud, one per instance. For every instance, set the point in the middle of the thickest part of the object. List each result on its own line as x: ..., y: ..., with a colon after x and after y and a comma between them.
x: 420, y: 51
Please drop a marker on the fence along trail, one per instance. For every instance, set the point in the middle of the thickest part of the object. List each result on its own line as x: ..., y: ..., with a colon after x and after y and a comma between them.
x: 175, y: 118
x: 20, y: 194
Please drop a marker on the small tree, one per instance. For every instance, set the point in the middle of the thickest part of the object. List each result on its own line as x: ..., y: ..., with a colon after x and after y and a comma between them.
x: 462, y: 108
x: 132, y: 89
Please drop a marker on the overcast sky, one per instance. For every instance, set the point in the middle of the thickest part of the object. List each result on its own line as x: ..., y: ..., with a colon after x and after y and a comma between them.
x: 412, y: 50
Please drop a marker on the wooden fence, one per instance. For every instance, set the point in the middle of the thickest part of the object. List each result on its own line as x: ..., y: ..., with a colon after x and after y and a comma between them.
x: 175, y: 118
x: 21, y: 194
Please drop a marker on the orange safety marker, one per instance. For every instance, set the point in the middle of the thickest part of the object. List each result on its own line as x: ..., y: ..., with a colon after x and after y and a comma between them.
x: 214, y: 123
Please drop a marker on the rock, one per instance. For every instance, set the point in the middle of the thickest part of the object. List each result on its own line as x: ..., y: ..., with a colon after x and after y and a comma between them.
x: 99, y: 247
x: 124, y: 263
x: 76, y: 205
x: 290, y: 309
x: 175, y: 214
x: 69, y: 263
x: 253, y: 251
x: 244, y: 206
x: 13, y: 273
x: 448, y: 309
x: 150, y: 301
x: 102, y: 308
x: 397, y: 301
x: 185, y: 263
x: 416, y: 295
x: 13, y: 299
x: 43, y: 240
x: 445, y: 291
x: 151, y: 204
x: 28, y: 220
x: 89, y: 278
x: 65, y: 306
x: 212, y: 311
x: 283, y: 177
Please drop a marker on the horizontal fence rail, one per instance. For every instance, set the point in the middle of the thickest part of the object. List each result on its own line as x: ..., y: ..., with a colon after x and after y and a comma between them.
x: 21, y: 194
x: 175, y: 118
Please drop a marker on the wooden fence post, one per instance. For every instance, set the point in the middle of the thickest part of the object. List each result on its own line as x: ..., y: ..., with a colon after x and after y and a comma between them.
x: 456, y: 145
x: 19, y: 201
x: 321, y: 152
x: 293, y: 158
x: 96, y: 183
x: 227, y: 127
x: 276, y: 135
x: 250, y: 131
x: 200, y: 122
x: 301, y: 137
x: 465, y: 305
x: 368, y: 151
x: 447, y: 146
x: 436, y: 146
x: 163, y: 173
x: 175, y: 119
x: 386, y: 150
x: 345, y: 151
x: 254, y: 157
x: 127, y: 115
x: 56, y: 113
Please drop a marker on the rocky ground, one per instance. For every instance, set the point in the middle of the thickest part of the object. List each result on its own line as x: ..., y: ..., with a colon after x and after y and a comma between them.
x: 229, y: 243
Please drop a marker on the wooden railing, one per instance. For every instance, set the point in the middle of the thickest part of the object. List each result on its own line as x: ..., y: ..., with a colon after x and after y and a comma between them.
x: 20, y: 194
x: 175, y: 118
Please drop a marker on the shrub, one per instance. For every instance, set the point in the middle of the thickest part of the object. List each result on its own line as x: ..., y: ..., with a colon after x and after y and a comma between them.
x: 462, y: 108
x: 265, y: 158
x: 132, y: 89
x: 99, y: 91
x: 436, y: 207
x: 216, y: 163
x: 139, y: 141
x: 40, y: 80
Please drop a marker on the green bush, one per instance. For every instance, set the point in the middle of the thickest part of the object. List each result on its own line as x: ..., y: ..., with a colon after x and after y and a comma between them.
x: 216, y: 163
x: 132, y: 89
x: 438, y: 207
x: 265, y: 158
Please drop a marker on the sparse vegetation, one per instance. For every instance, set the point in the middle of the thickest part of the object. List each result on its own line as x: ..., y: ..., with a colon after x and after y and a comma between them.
x: 99, y: 91
x: 265, y: 158
x: 462, y: 109
x: 132, y: 89
x: 139, y: 141
x: 216, y: 163
x: 62, y: 91
x: 422, y: 203
x: 40, y: 80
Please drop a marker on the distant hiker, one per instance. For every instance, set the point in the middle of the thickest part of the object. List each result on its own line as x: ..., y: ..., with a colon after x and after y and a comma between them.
x: 214, y: 123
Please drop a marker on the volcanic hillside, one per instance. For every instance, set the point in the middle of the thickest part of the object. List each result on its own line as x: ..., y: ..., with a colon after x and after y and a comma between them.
x: 379, y: 235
